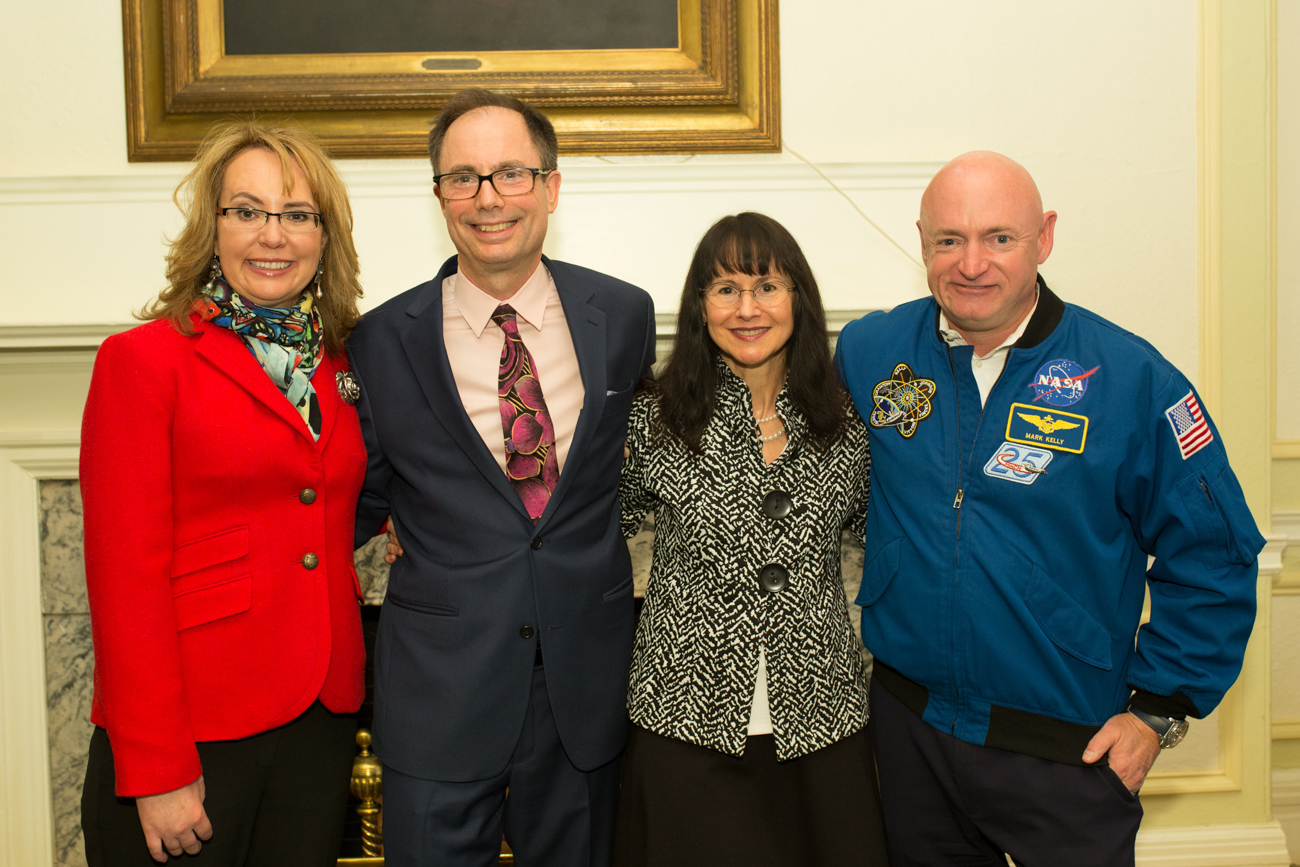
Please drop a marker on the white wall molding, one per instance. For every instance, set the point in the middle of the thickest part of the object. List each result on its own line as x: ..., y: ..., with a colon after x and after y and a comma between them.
x: 1261, y: 845
x: 26, y: 812
x: 1286, y: 522
x: 414, y: 179
x: 46, y: 337
x: 1286, y: 806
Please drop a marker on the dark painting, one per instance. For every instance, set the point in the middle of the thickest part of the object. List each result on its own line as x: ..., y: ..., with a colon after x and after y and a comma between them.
x: 363, y: 26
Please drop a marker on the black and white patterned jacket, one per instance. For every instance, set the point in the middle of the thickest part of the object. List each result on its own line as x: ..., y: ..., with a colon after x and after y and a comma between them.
x: 695, y: 659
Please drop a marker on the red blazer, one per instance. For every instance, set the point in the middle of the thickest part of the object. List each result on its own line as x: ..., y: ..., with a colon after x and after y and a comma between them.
x: 223, y: 597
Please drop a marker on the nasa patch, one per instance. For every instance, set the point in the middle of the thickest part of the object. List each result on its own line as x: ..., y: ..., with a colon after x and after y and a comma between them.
x: 1017, y: 463
x: 1061, y: 382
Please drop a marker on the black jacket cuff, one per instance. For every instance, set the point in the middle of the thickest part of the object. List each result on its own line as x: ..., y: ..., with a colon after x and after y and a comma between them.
x: 1177, y: 706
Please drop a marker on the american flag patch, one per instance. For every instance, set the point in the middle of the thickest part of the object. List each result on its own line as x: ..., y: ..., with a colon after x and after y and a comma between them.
x: 1190, y: 425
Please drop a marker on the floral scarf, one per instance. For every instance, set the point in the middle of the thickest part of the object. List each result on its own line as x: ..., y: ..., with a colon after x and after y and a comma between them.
x: 286, y: 341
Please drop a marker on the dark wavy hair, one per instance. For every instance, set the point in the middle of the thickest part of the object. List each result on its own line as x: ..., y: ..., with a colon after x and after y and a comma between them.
x: 754, y: 244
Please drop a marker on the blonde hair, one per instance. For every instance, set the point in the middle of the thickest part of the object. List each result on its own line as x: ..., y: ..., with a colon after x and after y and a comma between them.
x: 189, y: 255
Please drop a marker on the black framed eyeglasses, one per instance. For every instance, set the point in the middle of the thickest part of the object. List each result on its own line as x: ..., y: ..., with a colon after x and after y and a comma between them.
x: 507, y: 182
x: 255, y: 218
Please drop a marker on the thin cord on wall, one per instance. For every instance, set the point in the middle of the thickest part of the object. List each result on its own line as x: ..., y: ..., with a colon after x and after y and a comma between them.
x: 854, y: 205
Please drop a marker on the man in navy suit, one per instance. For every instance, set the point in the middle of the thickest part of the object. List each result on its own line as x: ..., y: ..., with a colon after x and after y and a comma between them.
x: 494, y: 404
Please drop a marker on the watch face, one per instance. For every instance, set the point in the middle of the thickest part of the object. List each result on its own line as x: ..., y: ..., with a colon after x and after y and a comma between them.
x: 1175, y: 734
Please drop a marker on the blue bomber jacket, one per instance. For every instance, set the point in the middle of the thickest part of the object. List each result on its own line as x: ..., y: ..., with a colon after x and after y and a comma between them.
x: 1007, y: 545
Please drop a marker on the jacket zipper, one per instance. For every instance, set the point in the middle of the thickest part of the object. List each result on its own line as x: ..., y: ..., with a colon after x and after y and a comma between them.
x: 961, y: 491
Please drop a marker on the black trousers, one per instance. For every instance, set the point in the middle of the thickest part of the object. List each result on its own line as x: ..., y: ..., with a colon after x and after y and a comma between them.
x: 683, y: 805
x: 949, y: 803
x: 276, y: 798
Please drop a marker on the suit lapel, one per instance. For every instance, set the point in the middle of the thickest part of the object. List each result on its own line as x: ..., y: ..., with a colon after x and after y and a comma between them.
x: 587, y: 329
x: 228, y: 354
x: 427, y: 353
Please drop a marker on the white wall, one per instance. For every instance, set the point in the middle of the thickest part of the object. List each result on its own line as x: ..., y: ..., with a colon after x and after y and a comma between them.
x: 1097, y: 100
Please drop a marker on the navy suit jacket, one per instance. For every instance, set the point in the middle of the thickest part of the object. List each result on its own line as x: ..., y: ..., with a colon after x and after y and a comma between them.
x: 479, y: 584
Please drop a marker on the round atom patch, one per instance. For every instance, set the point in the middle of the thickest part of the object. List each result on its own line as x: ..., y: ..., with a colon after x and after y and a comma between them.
x: 1061, y: 382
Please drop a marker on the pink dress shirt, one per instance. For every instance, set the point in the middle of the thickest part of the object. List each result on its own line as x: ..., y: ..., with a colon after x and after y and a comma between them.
x: 474, y: 343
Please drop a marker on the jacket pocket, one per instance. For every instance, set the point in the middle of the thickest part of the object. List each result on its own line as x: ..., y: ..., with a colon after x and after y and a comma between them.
x: 618, y: 402
x: 211, y: 550
x: 421, y: 607
x: 877, y: 575
x: 621, y: 589
x: 1066, y: 623
x: 1217, y: 506
x: 206, y: 604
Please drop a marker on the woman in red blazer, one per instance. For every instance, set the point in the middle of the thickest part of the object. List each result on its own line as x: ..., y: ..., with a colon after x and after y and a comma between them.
x: 221, y: 461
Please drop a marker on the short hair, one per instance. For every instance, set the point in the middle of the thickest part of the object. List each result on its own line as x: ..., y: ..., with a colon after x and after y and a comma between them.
x: 463, y: 102
x: 754, y: 244
x: 189, y: 254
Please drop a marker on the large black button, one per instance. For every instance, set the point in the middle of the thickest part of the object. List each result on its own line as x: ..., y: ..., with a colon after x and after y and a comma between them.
x: 307, y: 496
x: 526, y: 632
x: 537, y: 542
x: 773, y: 577
x: 777, y: 505
x: 310, y: 561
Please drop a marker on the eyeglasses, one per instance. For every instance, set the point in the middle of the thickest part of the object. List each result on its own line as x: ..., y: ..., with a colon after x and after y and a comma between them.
x: 507, y: 182
x: 769, y: 293
x: 298, y: 222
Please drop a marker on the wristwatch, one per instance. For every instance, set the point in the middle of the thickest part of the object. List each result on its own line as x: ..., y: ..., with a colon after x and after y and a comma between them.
x: 1170, y: 730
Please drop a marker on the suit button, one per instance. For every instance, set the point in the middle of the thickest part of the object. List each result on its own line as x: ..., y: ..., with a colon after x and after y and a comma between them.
x: 310, y: 561
x: 537, y: 544
x: 307, y: 496
x: 773, y: 577
x: 777, y: 505
x: 526, y: 632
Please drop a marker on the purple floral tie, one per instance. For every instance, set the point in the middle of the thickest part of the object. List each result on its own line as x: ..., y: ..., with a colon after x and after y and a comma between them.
x: 531, y: 464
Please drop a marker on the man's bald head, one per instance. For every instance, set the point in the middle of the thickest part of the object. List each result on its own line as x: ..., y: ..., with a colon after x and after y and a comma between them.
x: 985, y: 173
x: 983, y: 236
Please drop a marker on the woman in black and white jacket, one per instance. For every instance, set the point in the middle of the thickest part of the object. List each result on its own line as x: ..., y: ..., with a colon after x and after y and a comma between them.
x: 748, y: 692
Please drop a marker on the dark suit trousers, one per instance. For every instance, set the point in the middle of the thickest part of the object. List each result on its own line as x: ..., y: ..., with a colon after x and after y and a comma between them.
x: 949, y: 803
x: 554, y: 816
x: 275, y: 799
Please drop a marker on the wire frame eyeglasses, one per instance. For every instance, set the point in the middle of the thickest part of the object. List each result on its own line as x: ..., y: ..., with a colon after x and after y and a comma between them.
x: 298, y: 222
x: 768, y: 293
x: 507, y: 182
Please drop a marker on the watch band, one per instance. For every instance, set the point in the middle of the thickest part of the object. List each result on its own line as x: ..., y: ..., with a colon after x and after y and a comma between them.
x: 1170, y: 730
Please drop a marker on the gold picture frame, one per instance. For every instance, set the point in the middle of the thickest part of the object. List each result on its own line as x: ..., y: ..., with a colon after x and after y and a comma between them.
x: 717, y: 92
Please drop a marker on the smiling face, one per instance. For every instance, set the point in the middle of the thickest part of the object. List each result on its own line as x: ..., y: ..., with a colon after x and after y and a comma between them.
x: 983, y: 236
x: 266, y: 265
x: 751, y: 336
x: 499, y: 238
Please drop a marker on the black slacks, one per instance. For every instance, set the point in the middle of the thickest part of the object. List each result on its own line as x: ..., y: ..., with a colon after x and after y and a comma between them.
x: 684, y: 805
x: 949, y: 803
x: 275, y: 799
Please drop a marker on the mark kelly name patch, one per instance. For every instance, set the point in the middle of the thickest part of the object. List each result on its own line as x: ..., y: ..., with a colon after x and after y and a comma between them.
x: 1017, y: 463
x: 1048, y: 429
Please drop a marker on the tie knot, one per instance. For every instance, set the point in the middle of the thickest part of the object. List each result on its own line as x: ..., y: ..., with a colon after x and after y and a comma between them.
x: 503, y: 314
